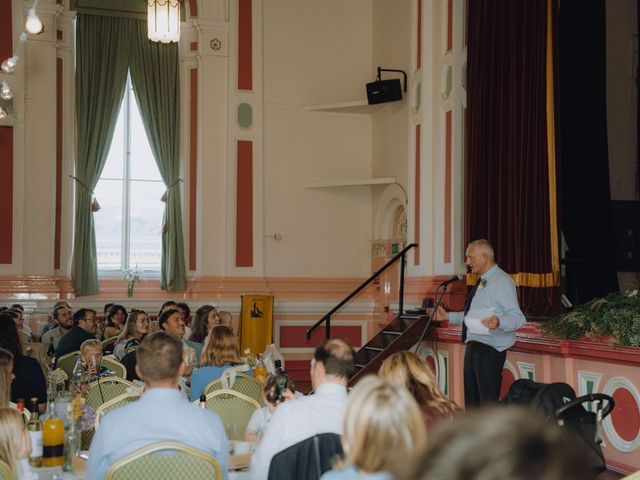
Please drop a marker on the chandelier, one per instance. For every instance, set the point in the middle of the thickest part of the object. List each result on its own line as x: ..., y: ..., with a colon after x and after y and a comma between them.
x: 163, y: 19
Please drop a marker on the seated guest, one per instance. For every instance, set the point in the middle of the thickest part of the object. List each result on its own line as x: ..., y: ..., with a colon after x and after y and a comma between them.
x: 272, y: 398
x: 205, y: 319
x: 414, y: 373
x: 161, y: 414
x: 61, y: 324
x: 116, y: 316
x: 23, y: 329
x: 184, y: 309
x: 506, y: 443
x: 135, y: 329
x: 6, y: 376
x: 382, y: 432
x: 322, y: 412
x: 226, y: 319
x: 220, y: 354
x: 171, y: 321
x: 169, y: 304
x: 84, y: 328
x: 28, y: 379
x: 15, y: 445
x: 91, y: 356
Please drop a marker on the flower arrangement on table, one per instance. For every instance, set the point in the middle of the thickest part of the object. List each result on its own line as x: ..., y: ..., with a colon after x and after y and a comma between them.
x: 132, y: 277
x: 249, y: 358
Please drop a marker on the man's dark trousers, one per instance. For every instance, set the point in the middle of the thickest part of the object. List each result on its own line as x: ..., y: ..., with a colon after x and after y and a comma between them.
x: 482, y: 374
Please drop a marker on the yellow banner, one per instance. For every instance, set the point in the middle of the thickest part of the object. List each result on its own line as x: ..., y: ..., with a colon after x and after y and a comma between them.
x: 256, y: 322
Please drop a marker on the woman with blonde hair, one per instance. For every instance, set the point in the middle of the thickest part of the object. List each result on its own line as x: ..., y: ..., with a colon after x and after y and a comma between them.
x: 415, y: 374
x: 135, y: 329
x: 382, y: 432
x: 220, y: 353
x: 15, y: 445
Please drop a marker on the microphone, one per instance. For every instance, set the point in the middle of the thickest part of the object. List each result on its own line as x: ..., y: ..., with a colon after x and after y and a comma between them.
x: 452, y: 280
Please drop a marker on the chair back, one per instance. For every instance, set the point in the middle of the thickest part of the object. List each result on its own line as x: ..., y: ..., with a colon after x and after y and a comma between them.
x: 67, y: 362
x: 245, y: 384
x: 307, y: 459
x: 115, y: 403
x: 5, y: 471
x: 114, y: 365
x: 166, y: 461
x: 101, y: 391
x: 234, y: 409
x: 108, y: 344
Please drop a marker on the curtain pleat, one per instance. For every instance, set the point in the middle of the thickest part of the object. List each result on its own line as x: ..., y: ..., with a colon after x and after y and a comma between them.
x: 101, y: 74
x: 507, y: 187
x: 156, y: 81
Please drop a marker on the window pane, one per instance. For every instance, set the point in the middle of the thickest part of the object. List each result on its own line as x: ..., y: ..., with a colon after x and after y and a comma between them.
x: 113, y: 168
x: 108, y: 222
x: 143, y: 165
x: 146, y: 224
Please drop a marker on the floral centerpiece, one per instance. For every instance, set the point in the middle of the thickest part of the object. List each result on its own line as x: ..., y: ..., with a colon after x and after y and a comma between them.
x: 132, y: 277
x: 249, y: 358
x: 616, y: 316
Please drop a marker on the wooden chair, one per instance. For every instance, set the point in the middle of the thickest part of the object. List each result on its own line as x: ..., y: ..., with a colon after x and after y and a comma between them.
x: 115, y: 403
x: 177, y: 461
x: 102, y: 391
x: 245, y: 384
x: 234, y: 409
x: 67, y: 362
x: 108, y: 344
x: 5, y: 471
x: 114, y: 365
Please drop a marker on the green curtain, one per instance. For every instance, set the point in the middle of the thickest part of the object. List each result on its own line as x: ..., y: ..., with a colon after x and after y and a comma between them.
x: 101, y: 74
x: 156, y: 82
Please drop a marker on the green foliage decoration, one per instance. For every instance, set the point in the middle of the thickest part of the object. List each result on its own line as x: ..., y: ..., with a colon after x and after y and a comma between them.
x: 616, y: 316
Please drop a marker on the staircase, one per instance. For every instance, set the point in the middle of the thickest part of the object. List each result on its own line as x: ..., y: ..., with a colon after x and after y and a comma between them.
x: 401, y: 334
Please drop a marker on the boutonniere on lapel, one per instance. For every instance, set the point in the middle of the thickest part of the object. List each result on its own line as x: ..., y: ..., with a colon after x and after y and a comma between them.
x: 483, y: 283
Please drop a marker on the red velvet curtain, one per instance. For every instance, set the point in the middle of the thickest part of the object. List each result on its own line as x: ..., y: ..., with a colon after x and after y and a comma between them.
x: 507, y: 194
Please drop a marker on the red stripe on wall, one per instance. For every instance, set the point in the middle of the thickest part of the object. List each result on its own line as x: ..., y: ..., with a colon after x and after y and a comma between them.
x: 294, y: 336
x: 447, y: 188
x: 449, y: 24
x: 245, y: 40
x: 244, y: 204
x: 6, y: 146
x: 6, y: 30
x: 419, y: 36
x: 193, y: 8
x: 416, y: 235
x: 59, y: 127
x: 193, y: 164
x: 6, y: 194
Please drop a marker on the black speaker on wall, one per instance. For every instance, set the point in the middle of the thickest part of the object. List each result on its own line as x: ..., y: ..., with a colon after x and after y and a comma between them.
x: 383, y: 91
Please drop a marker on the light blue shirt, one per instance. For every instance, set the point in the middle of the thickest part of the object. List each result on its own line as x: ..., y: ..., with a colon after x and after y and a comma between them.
x: 350, y: 473
x: 496, y: 290
x: 161, y: 414
x: 204, y: 375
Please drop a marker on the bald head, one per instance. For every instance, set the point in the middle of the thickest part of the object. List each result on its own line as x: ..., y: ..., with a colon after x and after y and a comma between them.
x: 479, y: 256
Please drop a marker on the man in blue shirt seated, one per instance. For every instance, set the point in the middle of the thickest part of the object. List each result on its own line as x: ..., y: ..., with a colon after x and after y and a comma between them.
x: 161, y: 414
x: 493, y: 303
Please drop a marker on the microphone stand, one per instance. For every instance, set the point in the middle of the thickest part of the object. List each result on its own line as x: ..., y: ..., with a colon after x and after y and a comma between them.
x: 430, y: 317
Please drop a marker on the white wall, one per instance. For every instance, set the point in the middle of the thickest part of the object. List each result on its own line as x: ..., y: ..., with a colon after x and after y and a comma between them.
x: 316, y: 52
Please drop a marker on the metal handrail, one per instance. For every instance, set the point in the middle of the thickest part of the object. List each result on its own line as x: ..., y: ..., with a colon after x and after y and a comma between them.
x: 327, y: 318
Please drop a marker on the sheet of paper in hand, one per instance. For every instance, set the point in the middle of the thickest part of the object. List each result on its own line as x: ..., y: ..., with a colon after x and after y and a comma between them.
x: 473, y: 320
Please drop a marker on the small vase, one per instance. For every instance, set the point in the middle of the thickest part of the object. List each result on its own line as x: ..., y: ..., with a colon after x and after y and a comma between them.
x: 130, y: 290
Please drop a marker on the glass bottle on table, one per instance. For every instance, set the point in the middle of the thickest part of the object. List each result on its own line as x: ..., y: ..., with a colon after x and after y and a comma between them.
x: 72, y: 439
x: 34, y: 427
x: 51, y: 353
x: 20, y: 407
x: 52, y: 436
x: 260, y: 371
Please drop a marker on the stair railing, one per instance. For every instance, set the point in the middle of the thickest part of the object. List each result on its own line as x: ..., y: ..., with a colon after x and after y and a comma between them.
x: 327, y: 318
